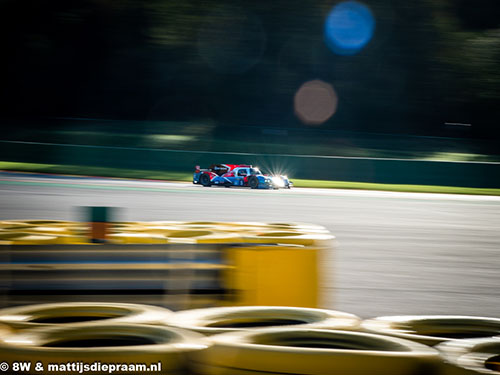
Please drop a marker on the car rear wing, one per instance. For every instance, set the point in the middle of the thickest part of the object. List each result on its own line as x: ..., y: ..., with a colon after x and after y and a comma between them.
x: 197, y: 169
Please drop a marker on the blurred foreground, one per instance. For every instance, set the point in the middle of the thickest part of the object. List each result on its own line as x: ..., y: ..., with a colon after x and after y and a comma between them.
x: 395, y: 253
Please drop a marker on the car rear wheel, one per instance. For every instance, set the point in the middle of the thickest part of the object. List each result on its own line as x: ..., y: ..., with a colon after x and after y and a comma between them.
x: 253, y: 182
x: 205, y: 180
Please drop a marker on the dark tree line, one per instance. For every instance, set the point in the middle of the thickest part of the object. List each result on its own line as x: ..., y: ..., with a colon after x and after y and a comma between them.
x: 429, y: 62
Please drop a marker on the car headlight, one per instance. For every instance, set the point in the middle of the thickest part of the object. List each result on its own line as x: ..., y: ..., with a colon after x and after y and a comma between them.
x: 278, y: 181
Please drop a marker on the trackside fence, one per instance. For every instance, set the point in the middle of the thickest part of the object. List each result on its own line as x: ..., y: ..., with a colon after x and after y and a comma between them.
x: 376, y: 170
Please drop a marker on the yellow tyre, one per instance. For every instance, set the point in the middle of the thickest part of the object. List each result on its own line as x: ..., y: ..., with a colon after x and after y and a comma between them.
x: 258, y: 229
x: 136, y: 238
x: 10, y: 235
x: 162, y: 223
x: 214, y: 320
x: 25, y: 238
x: 7, y: 223
x: 167, y: 227
x: 473, y: 356
x: 16, y: 227
x: 290, y: 237
x: 204, y: 224
x: 216, y: 227
x: 43, y: 315
x: 191, y: 225
x: 179, y: 235
x: 304, y: 227
x: 118, y: 345
x: 252, y: 226
x: 52, y: 230
x: 433, y: 329
x: 314, y: 352
x: 5, y: 330
x: 32, y: 223
x: 46, y: 222
x: 163, y: 230
x: 202, y: 236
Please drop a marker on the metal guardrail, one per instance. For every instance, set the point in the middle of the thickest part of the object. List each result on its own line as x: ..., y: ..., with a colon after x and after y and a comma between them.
x: 177, y: 276
x: 250, y: 154
x: 377, y: 170
x: 263, y: 271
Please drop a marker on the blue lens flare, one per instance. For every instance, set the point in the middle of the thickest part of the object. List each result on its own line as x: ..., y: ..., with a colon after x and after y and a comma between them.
x: 349, y: 27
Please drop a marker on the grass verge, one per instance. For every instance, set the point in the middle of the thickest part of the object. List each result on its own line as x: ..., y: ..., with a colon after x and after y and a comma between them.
x: 187, y: 176
x: 95, y: 171
x: 394, y: 187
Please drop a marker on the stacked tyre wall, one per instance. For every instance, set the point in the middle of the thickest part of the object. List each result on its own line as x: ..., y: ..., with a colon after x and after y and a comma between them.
x: 249, y: 340
x: 227, y: 298
x: 178, y: 265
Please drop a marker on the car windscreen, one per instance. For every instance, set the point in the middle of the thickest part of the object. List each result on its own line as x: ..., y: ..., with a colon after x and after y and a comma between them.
x: 255, y: 171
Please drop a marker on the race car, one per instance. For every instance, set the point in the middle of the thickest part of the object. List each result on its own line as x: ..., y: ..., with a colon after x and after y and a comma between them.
x: 239, y: 175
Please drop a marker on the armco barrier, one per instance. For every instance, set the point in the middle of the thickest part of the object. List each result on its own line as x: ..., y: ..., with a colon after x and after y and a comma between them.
x: 177, y: 276
x: 389, y: 171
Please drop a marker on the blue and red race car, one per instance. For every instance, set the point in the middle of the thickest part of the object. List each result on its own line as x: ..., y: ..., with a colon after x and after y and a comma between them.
x: 239, y: 175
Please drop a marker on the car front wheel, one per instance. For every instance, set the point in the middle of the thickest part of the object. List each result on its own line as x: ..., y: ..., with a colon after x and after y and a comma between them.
x: 253, y: 182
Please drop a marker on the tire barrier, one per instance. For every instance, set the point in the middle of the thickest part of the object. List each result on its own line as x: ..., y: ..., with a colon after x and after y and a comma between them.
x: 471, y: 356
x: 175, y: 231
x: 163, y: 350
x: 178, y: 264
x: 313, y: 352
x: 433, y: 329
x: 39, y: 232
x: 46, y: 315
x: 210, y: 321
x: 165, y: 227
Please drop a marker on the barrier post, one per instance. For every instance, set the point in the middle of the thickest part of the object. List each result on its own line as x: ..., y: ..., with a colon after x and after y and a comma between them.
x: 277, y: 275
x: 99, y: 223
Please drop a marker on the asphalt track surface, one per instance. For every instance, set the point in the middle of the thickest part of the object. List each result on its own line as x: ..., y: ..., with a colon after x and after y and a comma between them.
x: 395, y: 253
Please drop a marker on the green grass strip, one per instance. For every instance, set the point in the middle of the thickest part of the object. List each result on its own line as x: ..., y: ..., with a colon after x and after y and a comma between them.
x: 187, y: 176
x: 95, y: 171
x: 394, y: 187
